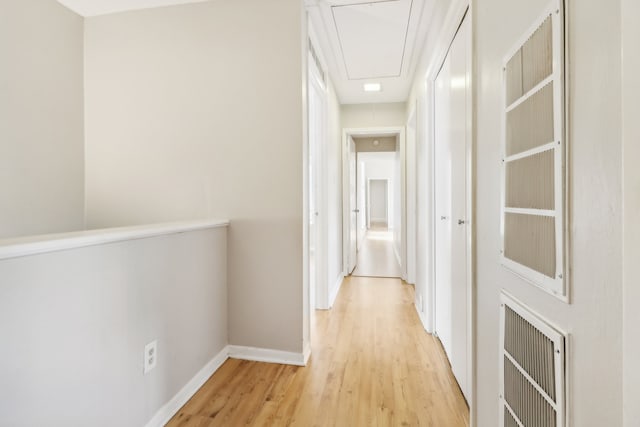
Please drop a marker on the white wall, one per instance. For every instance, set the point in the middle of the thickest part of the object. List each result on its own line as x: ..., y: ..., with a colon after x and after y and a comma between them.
x: 41, y: 119
x: 594, y: 317
x: 197, y: 111
x: 378, y: 200
x: 74, y: 324
x: 631, y: 153
x: 373, y: 115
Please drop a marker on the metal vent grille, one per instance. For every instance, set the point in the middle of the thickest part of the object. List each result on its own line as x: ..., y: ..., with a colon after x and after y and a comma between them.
x: 509, y: 421
x: 530, y: 241
x: 530, y: 124
x: 537, y: 56
x: 538, y: 362
x: 532, y: 365
x: 520, y: 193
x: 534, y: 162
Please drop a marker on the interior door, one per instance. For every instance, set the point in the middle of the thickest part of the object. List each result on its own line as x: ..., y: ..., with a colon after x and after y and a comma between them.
x: 353, y: 208
x: 442, y: 171
x: 452, y: 303
x: 458, y: 143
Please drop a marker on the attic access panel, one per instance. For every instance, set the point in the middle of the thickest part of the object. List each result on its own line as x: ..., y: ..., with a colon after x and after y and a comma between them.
x: 373, y: 37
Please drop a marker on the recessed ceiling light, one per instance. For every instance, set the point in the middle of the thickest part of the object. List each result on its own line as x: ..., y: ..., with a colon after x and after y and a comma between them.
x: 372, y: 87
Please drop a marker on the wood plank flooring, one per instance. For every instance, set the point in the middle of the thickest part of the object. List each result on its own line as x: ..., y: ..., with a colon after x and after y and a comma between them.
x: 376, y: 257
x: 372, y: 364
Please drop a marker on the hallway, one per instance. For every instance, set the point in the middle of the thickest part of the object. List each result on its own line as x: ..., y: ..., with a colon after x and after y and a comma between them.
x: 372, y: 365
x: 376, y: 257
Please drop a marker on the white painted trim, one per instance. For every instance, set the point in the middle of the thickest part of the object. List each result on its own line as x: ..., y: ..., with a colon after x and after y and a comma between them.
x: 336, y: 289
x: 422, y: 318
x: 306, y: 353
x: 169, y: 409
x: 267, y: 355
x: 31, y: 245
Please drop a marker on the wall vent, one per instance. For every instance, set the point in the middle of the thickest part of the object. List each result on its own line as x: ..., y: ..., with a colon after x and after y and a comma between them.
x: 532, y: 368
x: 534, y: 156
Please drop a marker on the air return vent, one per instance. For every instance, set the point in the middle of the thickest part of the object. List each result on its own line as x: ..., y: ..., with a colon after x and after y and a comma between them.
x: 532, y: 366
x: 534, y: 156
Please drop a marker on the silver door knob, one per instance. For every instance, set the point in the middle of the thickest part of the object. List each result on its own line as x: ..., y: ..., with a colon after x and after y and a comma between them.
x: 443, y: 218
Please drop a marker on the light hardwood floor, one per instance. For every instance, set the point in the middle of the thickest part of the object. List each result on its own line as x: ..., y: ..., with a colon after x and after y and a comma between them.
x: 376, y: 257
x: 372, y: 365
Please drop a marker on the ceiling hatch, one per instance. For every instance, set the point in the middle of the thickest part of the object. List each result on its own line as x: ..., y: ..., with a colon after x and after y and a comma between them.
x: 373, y: 37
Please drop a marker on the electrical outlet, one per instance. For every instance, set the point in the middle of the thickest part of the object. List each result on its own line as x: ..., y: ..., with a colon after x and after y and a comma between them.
x: 150, y: 356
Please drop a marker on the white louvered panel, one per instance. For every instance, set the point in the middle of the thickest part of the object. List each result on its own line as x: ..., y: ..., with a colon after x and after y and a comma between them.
x: 534, y: 161
x: 531, y: 124
x: 530, y: 241
x: 537, y: 56
x: 538, y: 169
x: 532, y: 368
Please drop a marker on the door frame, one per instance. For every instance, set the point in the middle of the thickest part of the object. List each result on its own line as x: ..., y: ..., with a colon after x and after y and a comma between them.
x: 346, y: 223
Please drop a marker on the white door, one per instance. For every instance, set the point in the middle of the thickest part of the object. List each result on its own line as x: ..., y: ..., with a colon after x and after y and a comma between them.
x: 459, y: 307
x: 318, y: 287
x: 314, y: 130
x: 353, y: 208
x: 443, y: 254
x: 451, y: 142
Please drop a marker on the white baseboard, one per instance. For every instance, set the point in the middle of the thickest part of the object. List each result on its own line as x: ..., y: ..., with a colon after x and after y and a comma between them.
x: 307, y: 353
x: 335, y: 289
x: 266, y: 355
x: 422, y: 318
x: 169, y: 409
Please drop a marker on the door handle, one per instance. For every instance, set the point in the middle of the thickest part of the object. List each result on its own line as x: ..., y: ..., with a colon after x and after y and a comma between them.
x: 444, y: 218
x: 356, y: 210
x: 460, y: 221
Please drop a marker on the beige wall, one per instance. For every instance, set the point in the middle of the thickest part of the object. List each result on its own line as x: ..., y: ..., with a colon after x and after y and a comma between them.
x: 74, y: 324
x: 41, y: 119
x: 366, y: 144
x: 196, y: 111
x: 373, y: 115
x: 594, y: 317
x: 631, y: 154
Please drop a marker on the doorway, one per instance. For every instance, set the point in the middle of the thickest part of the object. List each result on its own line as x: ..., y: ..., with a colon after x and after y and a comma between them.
x: 376, y: 203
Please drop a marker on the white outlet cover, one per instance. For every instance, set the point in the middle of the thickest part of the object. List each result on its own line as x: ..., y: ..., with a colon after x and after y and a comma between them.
x: 150, y: 356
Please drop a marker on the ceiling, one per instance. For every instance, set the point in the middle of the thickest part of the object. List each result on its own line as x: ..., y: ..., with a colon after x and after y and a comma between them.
x: 103, y: 7
x: 373, y: 41
x: 358, y: 41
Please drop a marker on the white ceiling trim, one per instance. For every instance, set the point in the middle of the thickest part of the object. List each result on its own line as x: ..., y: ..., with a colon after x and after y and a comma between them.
x: 103, y: 7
